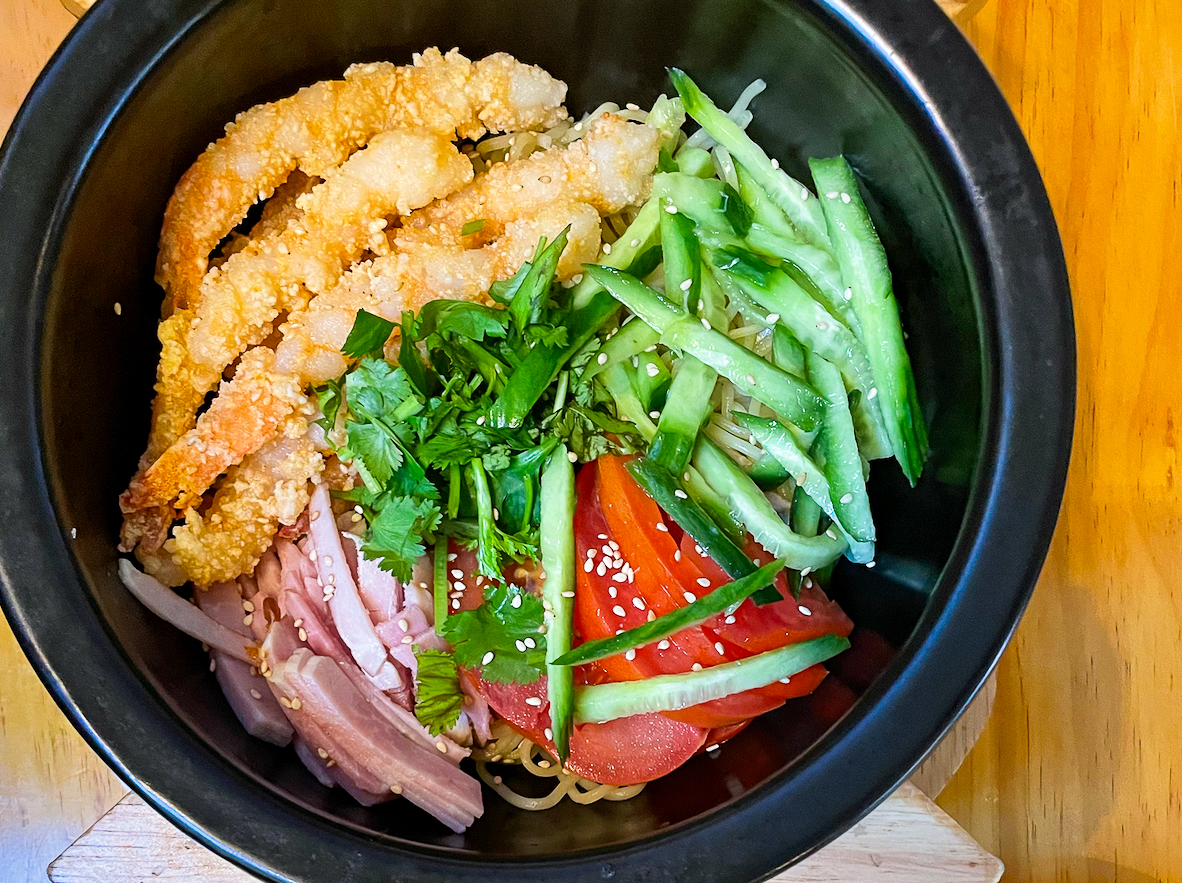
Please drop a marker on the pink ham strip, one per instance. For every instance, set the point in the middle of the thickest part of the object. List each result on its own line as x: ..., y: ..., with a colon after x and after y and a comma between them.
x: 315, y: 764
x: 348, y: 612
x: 245, y: 690
x: 357, y: 731
x: 477, y: 710
x: 379, y: 590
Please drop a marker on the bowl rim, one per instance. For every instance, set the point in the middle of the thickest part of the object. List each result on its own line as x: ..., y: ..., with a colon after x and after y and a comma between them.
x: 1028, y: 416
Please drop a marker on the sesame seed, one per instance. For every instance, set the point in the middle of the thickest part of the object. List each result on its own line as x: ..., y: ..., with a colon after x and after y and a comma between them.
x: 285, y: 702
x: 213, y: 664
x: 638, y: 603
x: 516, y: 602
x: 661, y: 527
x: 303, y: 635
x: 549, y: 733
x: 849, y: 294
x: 457, y: 574
x: 521, y: 648
x: 775, y: 163
x: 408, y: 639
x: 615, y: 546
x: 601, y: 358
x: 751, y: 379
x: 544, y: 764
x: 730, y: 620
x: 845, y: 197
x: 758, y: 562
x: 255, y: 693
x: 686, y: 285
x: 651, y: 615
x: 328, y: 561
x: 705, y: 323
x: 703, y: 582
x: 664, y: 645
x: 806, y: 571
x: 829, y: 533
x: 832, y: 194
x: 248, y: 606
x: 496, y: 514
x: 804, y: 610
x: 480, y: 420
x: 601, y: 570
x: 611, y: 591
x: 588, y: 566
x: 677, y: 555
x: 871, y: 563
x: 634, y: 243
x: 607, y: 248
x: 804, y: 193
x: 607, y: 550
x: 459, y: 586
x: 533, y: 700
x: 690, y: 597
x: 572, y: 456
x: 773, y: 318
x: 455, y: 605
x: 785, y: 680
x: 619, y: 576
x: 602, y: 536
x: 296, y: 704
x: 451, y: 557
x: 442, y: 746
x: 630, y: 655
x: 654, y: 414
x: 697, y: 666
x: 618, y: 610
x: 568, y: 594
x: 671, y: 209
x: 680, y: 494
x: 591, y: 553
x: 846, y: 498
x: 719, y: 649
x: 396, y: 789
x: 488, y: 657
x: 873, y: 392
x: 636, y: 361
x: 651, y: 369
x: 248, y: 619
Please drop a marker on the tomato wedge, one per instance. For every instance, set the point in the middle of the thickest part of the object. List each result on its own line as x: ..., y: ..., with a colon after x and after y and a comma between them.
x: 626, y: 751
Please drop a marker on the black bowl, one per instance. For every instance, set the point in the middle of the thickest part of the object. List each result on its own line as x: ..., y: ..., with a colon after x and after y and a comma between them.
x: 139, y: 89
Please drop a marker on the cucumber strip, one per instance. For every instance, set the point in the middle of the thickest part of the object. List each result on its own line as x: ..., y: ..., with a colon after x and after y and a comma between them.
x: 687, y: 408
x: 651, y: 379
x: 750, y: 507
x: 751, y: 375
x: 792, y: 197
x: 618, y: 383
x: 813, y: 326
x: 865, y: 271
x: 837, y: 451
x: 682, y: 260
x: 644, y: 231
x: 768, y: 472
x: 695, y: 161
x: 805, y: 519
x: 556, y: 539
x: 439, y: 586
x: 726, y: 595
x: 809, y: 477
x: 633, y: 338
x: 604, y: 702
x: 787, y: 352
x: 713, y: 304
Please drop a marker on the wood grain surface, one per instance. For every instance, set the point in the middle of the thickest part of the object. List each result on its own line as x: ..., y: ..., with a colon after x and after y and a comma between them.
x: 1074, y: 778
x: 908, y: 839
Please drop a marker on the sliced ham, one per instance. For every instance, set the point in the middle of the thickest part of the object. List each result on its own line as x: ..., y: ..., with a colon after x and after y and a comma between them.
x: 355, y: 731
x: 348, y: 612
x: 477, y: 710
x: 380, y: 591
x: 245, y: 690
x: 316, y: 765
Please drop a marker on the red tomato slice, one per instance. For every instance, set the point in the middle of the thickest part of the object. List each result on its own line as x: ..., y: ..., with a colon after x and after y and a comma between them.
x: 626, y: 751
x: 668, y: 580
x: 759, y: 629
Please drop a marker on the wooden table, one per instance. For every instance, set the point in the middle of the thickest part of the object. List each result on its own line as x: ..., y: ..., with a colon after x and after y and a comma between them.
x: 1073, y: 780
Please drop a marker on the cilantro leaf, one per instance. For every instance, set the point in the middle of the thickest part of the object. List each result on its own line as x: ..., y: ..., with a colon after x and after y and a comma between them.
x: 438, y: 697
x: 376, y: 390
x: 547, y: 335
x: 330, y: 399
x: 397, y: 532
x: 375, y: 453
x: 496, y: 626
x: 525, y: 305
x: 442, y: 450
x: 368, y: 335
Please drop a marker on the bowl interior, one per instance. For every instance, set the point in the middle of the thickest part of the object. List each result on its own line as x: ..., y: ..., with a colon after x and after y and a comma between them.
x: 826, y: 94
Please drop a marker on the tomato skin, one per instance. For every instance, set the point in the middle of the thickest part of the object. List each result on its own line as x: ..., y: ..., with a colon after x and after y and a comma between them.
x: 626, y: 751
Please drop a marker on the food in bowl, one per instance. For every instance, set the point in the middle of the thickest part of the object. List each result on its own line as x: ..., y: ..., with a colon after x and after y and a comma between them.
x: 491, y: 434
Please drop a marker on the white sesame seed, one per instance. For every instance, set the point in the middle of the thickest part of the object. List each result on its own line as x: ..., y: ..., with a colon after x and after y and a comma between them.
x: 521, y: 648
x: 544, y: 764
x: 408, y: 639
x: 255, y: 693
x: 73, y: 533
x: 480, y: 420
x: 829, y: 533
x: 457, y: 574
x: 248, y: 619
x: 845, y: 197
x: 601, y: 358
x: 568, y: 594
x: 601, y: 570
x: 618, y: 610
x: 488, y: 657
x: 452, y: 556
x: 751, y: 379
x: 611, y: 591
x: 533, y: 700
x: 549, y: 733
x: 496, y: 514
x: 703, y: 582
x: 442, y: 746
x: 775, y: 163
x: 459, y: 586
x: 806, y: 571
x: 661, y: 527
x: 664, y: 645
x: 588, y: 566
x: 606, y: 549
x: 680, y: 494
x: 849, y: 294
x: 572, y: 456
x: 671, y: 209
x: 698, y: 549
x: 607, y: 248
x: 516, y: 602
x: 328, y: 561
x: 719, y: 649
x: 614, y: 545
x: 804, y: 610
x: 619, y: 576
x: 634, y: 243
x: 686, y: 285
x: 697, y: 666
x: 677, y: 555
x: 846, y: 498
x: 630, y: 655
x: 651, y: 369
x: 758, y: 562
x: 455, y: 605
x: 652, y: 614
x: 773, y: 318
x: 638, y: 603
x: 213, y: 664
x: 873, y: 392
x: 705, y: 323
x: 653, y: 415
x: 602, y: 536
x: 303, y: 635
x: 248, y: 606
x: 690, y: 597
x: 871, y: 563
x: 804, y: 193
x: 730, y: 620
x: 832, y: 194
